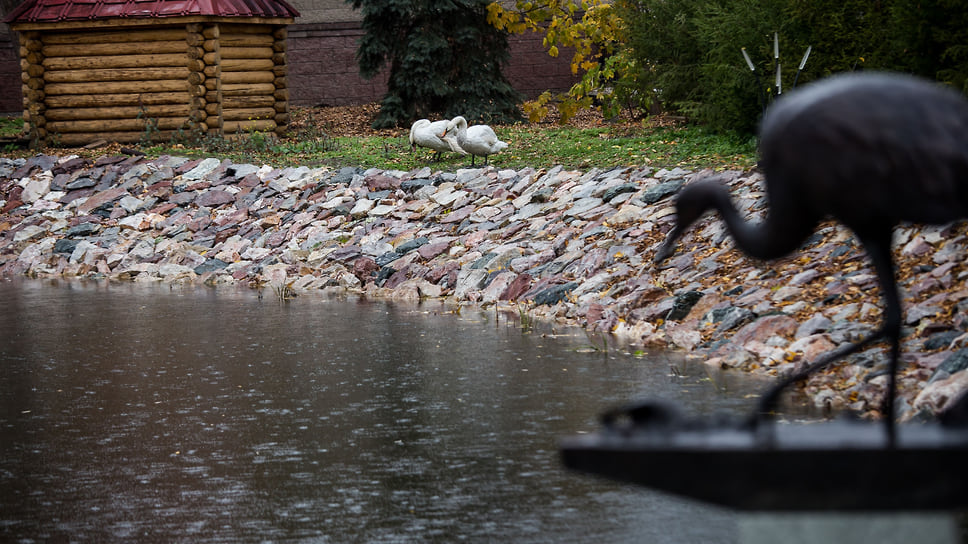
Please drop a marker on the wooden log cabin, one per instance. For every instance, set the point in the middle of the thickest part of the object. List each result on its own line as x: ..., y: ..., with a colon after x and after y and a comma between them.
x: 124, y: 70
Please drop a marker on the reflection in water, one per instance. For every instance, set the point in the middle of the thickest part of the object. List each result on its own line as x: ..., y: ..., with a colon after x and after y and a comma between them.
x: 195, y: 414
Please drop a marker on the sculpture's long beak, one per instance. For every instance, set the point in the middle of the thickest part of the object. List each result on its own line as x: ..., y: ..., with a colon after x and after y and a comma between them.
x: 663, y: 253
x: 667, y: 248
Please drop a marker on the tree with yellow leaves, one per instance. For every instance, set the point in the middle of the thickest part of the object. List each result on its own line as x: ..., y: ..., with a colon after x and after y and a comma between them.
x: 594, y: 31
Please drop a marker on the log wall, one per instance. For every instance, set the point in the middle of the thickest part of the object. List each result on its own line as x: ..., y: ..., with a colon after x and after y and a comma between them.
x: 252, y: 85
x: 81, y: 86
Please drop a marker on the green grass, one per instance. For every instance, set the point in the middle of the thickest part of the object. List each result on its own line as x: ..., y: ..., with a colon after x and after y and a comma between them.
x: 11, y: 127
x: 528, y: 146
x: 690, y: 146
x: 538, y: 147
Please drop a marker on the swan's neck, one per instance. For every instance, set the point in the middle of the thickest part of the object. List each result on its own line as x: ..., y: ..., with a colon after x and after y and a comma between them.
x: 461, y: 131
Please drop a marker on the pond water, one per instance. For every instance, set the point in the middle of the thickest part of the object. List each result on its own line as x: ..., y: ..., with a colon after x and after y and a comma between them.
x: 193, y: 414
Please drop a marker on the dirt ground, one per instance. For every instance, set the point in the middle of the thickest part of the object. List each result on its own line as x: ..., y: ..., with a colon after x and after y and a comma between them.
x: 356, y: 120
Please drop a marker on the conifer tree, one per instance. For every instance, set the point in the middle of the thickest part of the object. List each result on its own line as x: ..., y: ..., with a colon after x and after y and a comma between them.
x: 443, y: 59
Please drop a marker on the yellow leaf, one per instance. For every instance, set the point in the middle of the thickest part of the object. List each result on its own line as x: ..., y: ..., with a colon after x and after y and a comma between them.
x: 553, y: 50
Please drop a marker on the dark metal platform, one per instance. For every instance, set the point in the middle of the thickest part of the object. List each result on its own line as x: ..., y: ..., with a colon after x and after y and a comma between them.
x: 838, y: 465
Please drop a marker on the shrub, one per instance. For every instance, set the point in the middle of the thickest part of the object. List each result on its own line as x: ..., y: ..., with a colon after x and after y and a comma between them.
x: 443, y: 58
x: 692, y: 48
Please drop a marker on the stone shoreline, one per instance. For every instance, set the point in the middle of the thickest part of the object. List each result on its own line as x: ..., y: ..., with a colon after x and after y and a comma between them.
x: 571, y: 246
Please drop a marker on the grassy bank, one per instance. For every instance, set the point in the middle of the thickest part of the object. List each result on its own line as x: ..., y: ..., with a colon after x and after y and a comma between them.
x: 605, y: 146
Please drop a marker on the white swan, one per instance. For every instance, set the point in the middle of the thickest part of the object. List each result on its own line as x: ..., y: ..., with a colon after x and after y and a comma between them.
x: 478, y: 140
x: 434, y: 135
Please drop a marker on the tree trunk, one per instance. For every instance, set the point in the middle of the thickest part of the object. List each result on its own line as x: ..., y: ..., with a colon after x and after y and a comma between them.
x: 236, y: 78
x: 116, y: 100
x: 247, y: 114
x: 109, y: 125
x: 100, y: 49
x: 124, y: 36
x: 115, y: 112
x: 242, y: 89
x: 242, y: 102
x: 117, y: 87
x: 246, y: 65
x: 245, y: 40
x: 121, y: 74
x: 113, y: 61
x: 261, y: 125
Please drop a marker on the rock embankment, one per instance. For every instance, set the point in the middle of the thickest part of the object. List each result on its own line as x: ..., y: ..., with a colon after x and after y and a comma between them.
x: 572, y: 246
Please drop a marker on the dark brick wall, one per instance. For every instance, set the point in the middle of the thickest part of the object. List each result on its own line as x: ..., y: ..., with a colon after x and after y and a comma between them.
x: 532, y: 71
x: 323, y: 69
x: 11, y: 100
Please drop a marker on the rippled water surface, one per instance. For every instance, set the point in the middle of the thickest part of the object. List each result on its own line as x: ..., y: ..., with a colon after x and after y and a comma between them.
x: 150, y: 414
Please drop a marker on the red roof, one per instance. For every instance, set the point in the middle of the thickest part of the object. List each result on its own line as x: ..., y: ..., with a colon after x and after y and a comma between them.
x: 46, y: 11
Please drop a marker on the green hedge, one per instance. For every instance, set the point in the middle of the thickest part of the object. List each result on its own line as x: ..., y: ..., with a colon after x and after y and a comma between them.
x: 693, y: 48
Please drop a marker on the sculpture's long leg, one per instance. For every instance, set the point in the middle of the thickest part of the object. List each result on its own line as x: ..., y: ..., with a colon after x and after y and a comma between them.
x: 878, y: 248
x: 767, y: 405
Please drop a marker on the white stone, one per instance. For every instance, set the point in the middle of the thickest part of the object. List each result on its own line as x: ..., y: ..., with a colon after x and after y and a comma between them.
x: 130, y: 204
x: 80, y: 250
x: 362, y: 207
x: 347, y: 280
x: 381, y: 210
x: 376, y: 248
x: 256, y: 253
x: 628, y: 213
x: 138, y: 221
x: 201, y: 170
x: 469, y: 280
x: 36, y: 188
x: 30, y: 232
x: 275, y: 274
x: 171, y: 270
x: 37, y: 252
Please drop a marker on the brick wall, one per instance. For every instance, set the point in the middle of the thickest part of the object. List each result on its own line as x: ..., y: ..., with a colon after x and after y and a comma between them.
x: 532, y: 71
x: 323, y: 68
x: 11, y: 100
x: 325, y: 11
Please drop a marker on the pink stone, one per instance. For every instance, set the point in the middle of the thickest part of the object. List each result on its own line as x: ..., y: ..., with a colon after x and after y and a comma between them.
x: 765, y: 327
x: 516, y: 288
